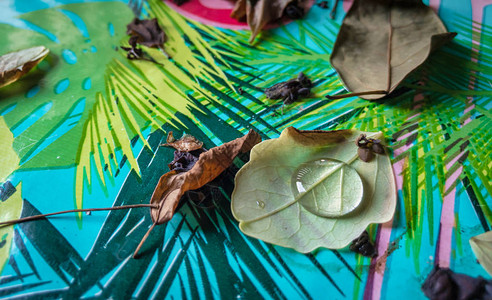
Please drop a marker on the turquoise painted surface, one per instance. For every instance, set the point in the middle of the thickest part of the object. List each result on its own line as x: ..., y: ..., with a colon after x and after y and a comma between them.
x: 201, y: 253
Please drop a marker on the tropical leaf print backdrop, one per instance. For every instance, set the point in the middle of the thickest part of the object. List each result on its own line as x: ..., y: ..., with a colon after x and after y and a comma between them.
x: 83, y: 130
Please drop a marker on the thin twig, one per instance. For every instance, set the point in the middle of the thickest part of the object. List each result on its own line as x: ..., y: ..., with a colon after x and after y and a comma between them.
x: 334, y: 10
x: 37, y: 217
x: 143, y: 240
x: 334, y: 97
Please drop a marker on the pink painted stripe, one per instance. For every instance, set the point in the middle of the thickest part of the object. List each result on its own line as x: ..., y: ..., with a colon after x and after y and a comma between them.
x: 375, y: 279
x: 446, y: 234
x: 453, y: 161
x: 383, y: 243
x: 453, y: 178
x: 435, y: 4
x: 447, y: 211
x: 469, y: 108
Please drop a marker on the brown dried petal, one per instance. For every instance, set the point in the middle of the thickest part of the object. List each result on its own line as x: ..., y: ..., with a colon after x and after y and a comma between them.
x: 173, y: 185
x: 261, y: 12
x: 186, y: 143
x: 365, y: 154
x: 377, y: 148
x: 239, y: 10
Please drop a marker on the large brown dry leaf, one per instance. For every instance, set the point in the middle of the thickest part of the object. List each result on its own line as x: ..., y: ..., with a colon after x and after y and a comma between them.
x: 375, y: 32
x: 261, y: 12
x: 15, y: 64
x: 173, y: 185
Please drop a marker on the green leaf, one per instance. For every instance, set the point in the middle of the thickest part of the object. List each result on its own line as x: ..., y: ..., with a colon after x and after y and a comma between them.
x: 309, y: 189
x: 482, y: 247
x: 381, y: 42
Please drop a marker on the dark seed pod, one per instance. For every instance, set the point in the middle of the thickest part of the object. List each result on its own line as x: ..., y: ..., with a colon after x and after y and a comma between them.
x: 361, y: 141
x: 363, y: 245
x: 294, y: 12
x: 377, y: 148
x: 304, y: 80
x: 304, y: 92
x: 365, y: 154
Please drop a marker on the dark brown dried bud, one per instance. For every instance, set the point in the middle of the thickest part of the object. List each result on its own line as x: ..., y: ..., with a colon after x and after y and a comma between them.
x: 363, y: 245
x: 294, y: 12
x: 361, y: 141
x: 377, y: 148
x: 365, y: 154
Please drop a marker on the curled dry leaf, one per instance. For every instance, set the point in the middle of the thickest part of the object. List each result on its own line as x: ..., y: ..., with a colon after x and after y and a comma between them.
x: 309, y: 189
x: 146, y: 32
x: 381, y: 42
x: 261, y: 12
x: 186, y: 143
x: 482, y: 247
x: 210, y: 164
x: 443, y: 283
x: 14, y: 65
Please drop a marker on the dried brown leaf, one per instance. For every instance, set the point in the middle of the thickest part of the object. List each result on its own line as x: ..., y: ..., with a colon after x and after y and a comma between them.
x: 381, y: 42
x: 14, y: 65
x: 239, y: 10
x: 261, y: 12
x: 186, y: 143
x: 210, y: 164
x: 146, y: 32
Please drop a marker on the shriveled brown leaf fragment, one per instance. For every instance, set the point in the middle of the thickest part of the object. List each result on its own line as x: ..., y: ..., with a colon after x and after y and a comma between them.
x: 261, y: 12
x: 14, y: 65
x: 210, y: 164
x: 186, y: 143
x: 239, y: 10
x: 146, y: 32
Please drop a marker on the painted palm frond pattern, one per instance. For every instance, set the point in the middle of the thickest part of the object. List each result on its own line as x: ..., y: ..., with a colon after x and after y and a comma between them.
x: 94, y: 120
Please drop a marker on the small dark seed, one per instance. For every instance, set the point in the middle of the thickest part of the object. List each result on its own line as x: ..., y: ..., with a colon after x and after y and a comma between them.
x: 365, y: 154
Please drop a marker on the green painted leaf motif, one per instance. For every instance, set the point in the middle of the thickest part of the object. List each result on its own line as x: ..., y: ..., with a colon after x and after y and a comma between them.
x: 11, y: 209
x: 77, y: 35
x: 482, y: 247
x: 9, y: 161
x: 271, y: 205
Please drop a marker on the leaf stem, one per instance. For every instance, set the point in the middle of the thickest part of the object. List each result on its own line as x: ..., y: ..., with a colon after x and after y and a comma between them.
x: 37, y: 217
x: 135, y: 254
x: 334, y: 97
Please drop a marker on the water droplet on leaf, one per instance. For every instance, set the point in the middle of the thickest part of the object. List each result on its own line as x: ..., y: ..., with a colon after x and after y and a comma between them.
x: 260, y: 204
x: 327, y: 187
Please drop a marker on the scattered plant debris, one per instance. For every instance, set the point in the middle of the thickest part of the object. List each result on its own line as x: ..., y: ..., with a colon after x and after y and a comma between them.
x: 261, y: 12
x: 444, y: 284
x: 290, y: 91
x: 363, y: 245
x: 367, y: 147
